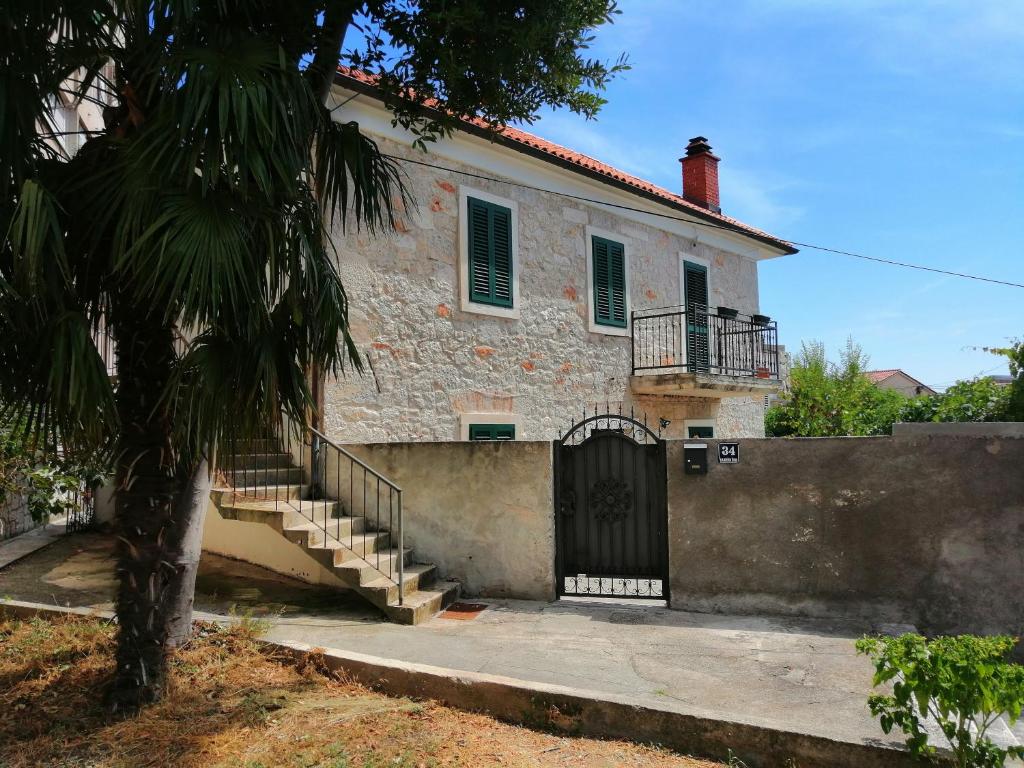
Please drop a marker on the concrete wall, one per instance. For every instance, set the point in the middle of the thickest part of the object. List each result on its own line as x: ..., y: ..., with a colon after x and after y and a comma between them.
x: 431, y: 360
x: 482, y: 512
x: 927, y: 530
x: 261, y: 545
x: 959, y: 428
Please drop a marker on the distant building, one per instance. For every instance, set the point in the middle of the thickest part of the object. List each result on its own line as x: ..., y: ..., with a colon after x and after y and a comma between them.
x: 899, y: 380
x: 1002, y: 379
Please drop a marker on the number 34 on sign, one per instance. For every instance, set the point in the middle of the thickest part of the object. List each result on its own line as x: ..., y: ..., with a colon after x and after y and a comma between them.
x: 728, y: 453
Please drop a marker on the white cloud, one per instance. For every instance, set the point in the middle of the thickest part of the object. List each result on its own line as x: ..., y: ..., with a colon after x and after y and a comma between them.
x: 758, y: 200
x: 594, y: 139
x: 982, y: 38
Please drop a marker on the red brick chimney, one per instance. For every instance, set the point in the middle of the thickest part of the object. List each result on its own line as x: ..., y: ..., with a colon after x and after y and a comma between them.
x: 700, y: 175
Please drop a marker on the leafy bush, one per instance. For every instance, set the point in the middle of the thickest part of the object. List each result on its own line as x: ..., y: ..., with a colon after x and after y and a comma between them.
x: 963, y: 683
x: 48, y: 481
x: 830, y: 400
x: 973, y: 400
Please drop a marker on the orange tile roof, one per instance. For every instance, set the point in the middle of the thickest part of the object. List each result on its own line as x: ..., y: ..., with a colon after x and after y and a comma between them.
x: 578, y: 161
x: 877, y: 376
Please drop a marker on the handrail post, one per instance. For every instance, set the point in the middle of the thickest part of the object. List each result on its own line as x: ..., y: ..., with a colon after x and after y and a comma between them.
x: 632, y: 341
x: 314, y: 464
x: 401, y: 552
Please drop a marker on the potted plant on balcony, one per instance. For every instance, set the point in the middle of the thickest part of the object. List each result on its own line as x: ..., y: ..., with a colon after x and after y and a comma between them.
x: 761, y: 319
x: 728, y: 312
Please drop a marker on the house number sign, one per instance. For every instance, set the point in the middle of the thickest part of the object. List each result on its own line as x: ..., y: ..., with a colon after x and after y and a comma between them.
x: 728, y: 453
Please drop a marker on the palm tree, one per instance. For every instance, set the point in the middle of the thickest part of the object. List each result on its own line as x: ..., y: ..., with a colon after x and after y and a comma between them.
x: 203, y: 208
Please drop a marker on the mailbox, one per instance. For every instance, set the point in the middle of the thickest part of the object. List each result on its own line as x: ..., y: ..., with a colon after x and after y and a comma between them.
x: 695, y: 458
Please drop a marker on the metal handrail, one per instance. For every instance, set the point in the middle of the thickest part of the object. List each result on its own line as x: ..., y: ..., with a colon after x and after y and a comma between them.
x: 700, y: 339
x: 307, y: 452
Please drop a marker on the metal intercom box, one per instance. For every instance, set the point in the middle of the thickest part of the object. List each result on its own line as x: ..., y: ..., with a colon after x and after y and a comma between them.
x: 695, y: 458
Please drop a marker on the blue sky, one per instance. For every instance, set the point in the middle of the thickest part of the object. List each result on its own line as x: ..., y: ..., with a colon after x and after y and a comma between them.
x: 893, y: 128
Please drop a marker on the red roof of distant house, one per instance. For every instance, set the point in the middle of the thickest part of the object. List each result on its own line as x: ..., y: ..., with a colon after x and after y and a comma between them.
x: 877, y: 376
x: 548, y: 150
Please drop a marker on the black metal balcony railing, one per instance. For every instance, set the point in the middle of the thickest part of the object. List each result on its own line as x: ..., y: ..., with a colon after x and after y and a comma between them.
x: 699, y: 339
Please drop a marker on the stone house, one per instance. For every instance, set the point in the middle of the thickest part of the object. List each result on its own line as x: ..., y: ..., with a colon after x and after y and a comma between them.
x: 532, y: 282
x: 900, y: 381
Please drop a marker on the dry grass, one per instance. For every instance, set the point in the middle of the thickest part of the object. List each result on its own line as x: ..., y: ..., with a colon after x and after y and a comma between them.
x: 230, y: 703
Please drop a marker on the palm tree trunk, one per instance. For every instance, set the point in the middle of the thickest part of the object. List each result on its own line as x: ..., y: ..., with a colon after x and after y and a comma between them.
x: 190, y: 515
x: 148, y: 516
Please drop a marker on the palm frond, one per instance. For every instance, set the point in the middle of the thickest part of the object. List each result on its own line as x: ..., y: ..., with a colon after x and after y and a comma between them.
x: 353, y: 177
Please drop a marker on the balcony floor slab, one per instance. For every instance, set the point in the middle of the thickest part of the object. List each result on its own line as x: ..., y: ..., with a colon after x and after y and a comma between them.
x: 686, y: 384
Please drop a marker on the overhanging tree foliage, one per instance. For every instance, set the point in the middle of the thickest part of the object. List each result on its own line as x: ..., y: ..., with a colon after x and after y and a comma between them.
x: 203, y: 208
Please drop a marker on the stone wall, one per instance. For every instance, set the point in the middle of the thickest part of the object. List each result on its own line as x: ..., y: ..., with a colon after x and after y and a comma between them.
x: 14, y: 516
x: 924, y: 529
x: 430, y: 362
x: 482, y: 512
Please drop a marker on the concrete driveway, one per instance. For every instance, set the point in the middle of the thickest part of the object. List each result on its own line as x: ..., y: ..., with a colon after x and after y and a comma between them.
x: 796, y: 675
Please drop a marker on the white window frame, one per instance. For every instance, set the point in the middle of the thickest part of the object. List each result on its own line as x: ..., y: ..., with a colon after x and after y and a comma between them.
x: 685, y: 256
x: 592, y: 325
x: 509, y: 313
x: 467, y: 419
x: 687, y: 423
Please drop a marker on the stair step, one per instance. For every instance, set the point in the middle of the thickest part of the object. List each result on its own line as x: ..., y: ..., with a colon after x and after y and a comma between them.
x: 425, y: 603
x: 278, y: 492
x: 256, y: 478
x: 358, y: 572
x: 257, y: 460
x: 344, y: 548
x: 383, y: 591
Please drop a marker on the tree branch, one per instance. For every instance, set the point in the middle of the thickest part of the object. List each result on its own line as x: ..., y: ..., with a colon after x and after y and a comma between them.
x: 337, y: 19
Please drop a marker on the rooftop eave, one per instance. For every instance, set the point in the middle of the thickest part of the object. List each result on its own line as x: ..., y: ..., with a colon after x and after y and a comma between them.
x: 769, y: 247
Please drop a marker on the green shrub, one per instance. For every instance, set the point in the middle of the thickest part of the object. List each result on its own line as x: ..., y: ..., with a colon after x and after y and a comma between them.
x: 963, y: 683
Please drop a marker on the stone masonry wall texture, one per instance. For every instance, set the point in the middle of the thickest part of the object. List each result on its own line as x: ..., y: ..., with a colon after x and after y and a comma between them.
x: 428, y: 361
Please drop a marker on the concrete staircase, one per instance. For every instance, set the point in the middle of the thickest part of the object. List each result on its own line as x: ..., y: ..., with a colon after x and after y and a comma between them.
x: 266, y: 486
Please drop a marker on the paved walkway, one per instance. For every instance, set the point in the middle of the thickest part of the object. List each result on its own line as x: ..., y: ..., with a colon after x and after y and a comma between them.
x: 797, y: 675
x: 13, y: 549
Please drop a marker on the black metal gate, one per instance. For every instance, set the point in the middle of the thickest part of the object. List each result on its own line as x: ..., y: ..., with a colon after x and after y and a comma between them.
x: 611, y: 517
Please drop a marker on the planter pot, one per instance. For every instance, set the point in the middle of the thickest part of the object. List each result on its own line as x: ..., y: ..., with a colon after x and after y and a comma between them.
x: 763, y: 373
x: 728, y: 312
x: 761, y: 319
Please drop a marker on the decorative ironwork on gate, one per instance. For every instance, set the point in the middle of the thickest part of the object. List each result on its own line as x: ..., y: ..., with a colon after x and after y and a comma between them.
x: 611, y: 513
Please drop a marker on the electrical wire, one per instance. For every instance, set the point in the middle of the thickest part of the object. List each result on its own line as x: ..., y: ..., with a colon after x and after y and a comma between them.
x: 707, y: 224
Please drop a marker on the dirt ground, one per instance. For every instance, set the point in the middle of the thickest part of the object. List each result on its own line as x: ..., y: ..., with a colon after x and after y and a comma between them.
x: 230, y: 704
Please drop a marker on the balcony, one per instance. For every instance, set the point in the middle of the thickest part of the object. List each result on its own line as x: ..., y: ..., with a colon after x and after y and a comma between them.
x: 700, y: 351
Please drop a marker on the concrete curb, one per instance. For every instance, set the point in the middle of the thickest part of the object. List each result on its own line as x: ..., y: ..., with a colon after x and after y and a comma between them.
x: 571, y: 711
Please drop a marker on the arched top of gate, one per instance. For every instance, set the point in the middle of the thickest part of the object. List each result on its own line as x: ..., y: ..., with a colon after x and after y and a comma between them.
x: 619, y: 424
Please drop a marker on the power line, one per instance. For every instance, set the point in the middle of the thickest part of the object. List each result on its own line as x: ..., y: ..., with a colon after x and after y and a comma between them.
x: 708, y: 224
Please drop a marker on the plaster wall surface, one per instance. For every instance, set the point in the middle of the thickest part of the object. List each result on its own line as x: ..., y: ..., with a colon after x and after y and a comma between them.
x: 429, y: 361
x: 924, y: 530
x: 482, y: 512
x: 261, y: 545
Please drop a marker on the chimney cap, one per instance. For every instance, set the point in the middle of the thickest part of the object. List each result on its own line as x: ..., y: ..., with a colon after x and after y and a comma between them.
x: 698, y: 146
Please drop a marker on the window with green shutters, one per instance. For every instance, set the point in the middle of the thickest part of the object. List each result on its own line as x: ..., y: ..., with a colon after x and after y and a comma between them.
x: 490, y: 253
x: 492, y: 431
x: 609, y: 275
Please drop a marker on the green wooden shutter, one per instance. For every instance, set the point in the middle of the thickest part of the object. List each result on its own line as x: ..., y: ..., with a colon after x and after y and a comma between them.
x: 490, y: 253
x: 695, y: 289
x: 492, y: 431
x: 609, y: 276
